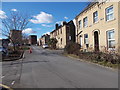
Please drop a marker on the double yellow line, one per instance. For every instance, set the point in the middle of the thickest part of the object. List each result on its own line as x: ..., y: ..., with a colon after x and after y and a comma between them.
x: 4, y: 86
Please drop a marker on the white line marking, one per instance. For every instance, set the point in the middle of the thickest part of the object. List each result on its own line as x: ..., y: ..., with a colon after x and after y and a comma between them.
x: 2, y: 76
x: 13, y: 82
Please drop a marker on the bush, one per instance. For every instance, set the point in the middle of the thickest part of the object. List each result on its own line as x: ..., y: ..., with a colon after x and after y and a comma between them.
x: 72, y: 48
x: 100, y: 57
x: 52, y: 43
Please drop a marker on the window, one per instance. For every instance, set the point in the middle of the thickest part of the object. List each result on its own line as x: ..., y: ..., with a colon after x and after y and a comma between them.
x: 86, y: 38
x: 80, y: 24
x: 61, y: 40
x: 111, y: 39
x: 109, y: 13
x: 81, y: 40
x: 70, y: 38
x: 85, y: 22
x: 58, y: 31
x: 68, y: 29
x: 61, y: 30
x: 95, y: 17
x: 55, y: 33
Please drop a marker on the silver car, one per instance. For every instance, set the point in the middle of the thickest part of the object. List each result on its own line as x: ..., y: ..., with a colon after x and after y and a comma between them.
x: 45, y: 46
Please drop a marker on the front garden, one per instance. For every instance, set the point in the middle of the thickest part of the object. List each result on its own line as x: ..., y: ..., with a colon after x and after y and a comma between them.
x: 106, y: 59
x: 14, y: 54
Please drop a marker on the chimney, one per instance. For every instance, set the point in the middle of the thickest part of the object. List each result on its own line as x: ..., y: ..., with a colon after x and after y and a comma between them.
x: 56, y: 26
x: 64, y: 23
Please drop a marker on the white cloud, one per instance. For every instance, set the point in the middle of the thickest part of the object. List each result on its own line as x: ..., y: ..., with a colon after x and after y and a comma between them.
x: 66, y: 18
x: 14, y: 10
x: 2, y: 14
x: 42, y: 18
x: 45, y: 25
x: 38, y: 28
x: 59, y: 22
x: 28, y: 31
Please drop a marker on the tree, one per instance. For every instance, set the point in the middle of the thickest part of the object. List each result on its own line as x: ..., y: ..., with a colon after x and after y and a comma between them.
x: 72, y: 48
x: 25, y: 38
x: 15, y: 21
x: 52, y: 43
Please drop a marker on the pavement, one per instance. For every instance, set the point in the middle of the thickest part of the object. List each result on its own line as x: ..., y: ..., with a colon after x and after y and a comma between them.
x: 45, y: 68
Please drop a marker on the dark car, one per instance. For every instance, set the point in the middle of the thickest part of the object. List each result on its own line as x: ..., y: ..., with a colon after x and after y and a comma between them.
x: 28, y: 44
x: 3, y: 50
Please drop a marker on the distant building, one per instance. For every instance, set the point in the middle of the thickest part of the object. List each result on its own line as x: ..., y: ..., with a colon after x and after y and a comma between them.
x: 44, y: 39
x: 16, y: 36
x: 64, y: 34
x: 32, y: 39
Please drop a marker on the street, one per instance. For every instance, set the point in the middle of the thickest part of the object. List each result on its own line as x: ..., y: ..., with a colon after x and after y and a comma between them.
x: 45, y: 68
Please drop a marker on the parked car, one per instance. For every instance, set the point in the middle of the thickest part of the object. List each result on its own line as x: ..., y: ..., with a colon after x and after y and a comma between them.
x: 3, y: 50
x: 28, y: 44
x: 45, y: 46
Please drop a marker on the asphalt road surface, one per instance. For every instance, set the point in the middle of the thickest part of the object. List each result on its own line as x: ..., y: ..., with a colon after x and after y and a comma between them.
x: 44, y: 68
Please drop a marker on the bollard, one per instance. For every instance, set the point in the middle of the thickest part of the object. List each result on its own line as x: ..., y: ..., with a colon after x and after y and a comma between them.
x: 30, y: 50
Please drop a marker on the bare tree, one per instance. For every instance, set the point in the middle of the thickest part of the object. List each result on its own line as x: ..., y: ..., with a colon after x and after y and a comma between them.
x: 15, y: 21
x: 25, y: 38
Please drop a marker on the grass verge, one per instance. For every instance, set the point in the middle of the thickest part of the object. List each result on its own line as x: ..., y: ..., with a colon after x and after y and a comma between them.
x: 103, y: 63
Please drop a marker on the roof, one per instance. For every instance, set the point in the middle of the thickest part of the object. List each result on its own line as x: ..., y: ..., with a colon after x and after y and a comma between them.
x: 67, y: 23
x: 85, y: 9
x: 53, y: 31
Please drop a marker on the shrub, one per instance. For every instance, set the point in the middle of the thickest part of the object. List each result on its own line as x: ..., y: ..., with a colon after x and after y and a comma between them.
x: 72, y: 48
x: 52, y: 43
x: 100, y: 57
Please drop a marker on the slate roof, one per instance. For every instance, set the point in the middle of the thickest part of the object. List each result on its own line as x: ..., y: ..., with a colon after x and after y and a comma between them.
x: 89, y: 5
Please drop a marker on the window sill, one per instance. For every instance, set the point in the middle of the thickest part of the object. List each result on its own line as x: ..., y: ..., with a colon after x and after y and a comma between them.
x: 111, y: 20
x: 95, y: 22
x: 111, y: 49
x: 85, y: 27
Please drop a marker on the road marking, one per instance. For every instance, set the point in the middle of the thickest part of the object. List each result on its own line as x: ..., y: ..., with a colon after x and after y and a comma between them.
x: 13, y: 82
x: 2, y: 76
x: 4, y: 86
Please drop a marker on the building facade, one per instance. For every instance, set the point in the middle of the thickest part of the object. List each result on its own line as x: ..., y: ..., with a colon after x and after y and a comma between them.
x: 98, y: 27
x: 16, y: 36
x: 33, y: 39
x: 44, y: 39
x: 64, y: 34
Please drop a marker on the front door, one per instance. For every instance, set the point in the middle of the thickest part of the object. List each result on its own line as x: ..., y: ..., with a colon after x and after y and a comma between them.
x: 96, y: 41
x: 80, y: 41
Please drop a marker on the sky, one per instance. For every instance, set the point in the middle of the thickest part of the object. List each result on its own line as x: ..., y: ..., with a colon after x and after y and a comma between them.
x: 45, y: 14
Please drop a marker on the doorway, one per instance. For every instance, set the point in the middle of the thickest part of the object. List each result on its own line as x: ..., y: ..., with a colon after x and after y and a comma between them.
x: 96, y: 41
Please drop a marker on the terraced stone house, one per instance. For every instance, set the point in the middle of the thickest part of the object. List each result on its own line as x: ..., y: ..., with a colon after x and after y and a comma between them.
x: 64, y: 34
x: 98, y: 27
x: 44, y: 39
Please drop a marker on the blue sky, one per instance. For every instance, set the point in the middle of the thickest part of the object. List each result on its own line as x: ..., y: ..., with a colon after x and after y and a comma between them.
x: 46, y: 14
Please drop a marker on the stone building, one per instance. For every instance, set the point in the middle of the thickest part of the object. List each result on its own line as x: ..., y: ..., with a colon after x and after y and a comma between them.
x: 64, y: 33
x: 98, y: 27
x: 44, y: 39
x: 33, y: 39
x: 16, y: 36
